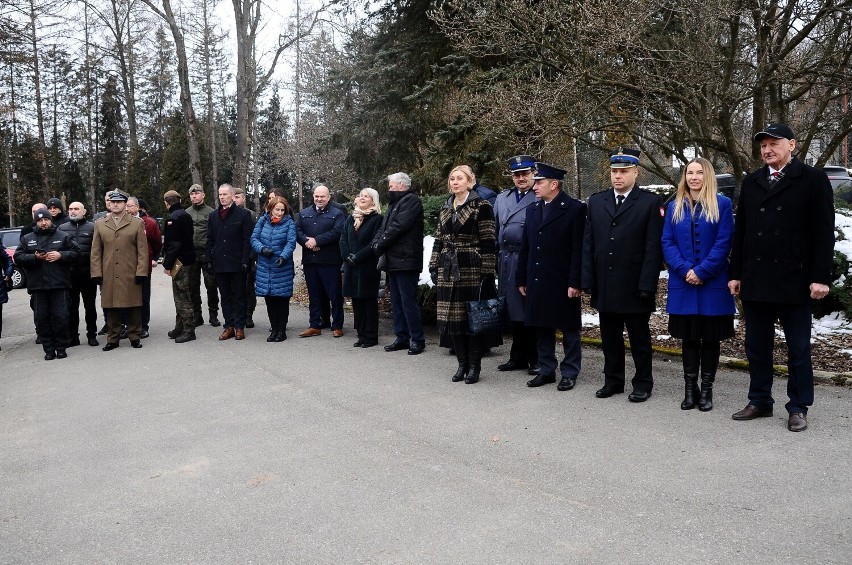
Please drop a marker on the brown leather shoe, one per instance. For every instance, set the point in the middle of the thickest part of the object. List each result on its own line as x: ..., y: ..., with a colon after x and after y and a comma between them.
x: 310, y: 332
x: 239, y: 334
x: 337, y: 333
x: 227, y: 334
x: 751, y: 412
x: 798, y: 422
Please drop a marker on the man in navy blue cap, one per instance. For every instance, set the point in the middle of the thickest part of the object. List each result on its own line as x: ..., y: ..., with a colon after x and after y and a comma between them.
x: 781, y: 259
x: 622, y: 256
x: 510, y: 212
x: 548, y: 276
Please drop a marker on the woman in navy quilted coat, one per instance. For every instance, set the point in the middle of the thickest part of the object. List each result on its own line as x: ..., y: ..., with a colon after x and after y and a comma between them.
x: 697, y: 237
x: 274, y: 240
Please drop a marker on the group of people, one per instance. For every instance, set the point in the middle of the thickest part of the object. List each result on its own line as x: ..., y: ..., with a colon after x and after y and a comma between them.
x: 543, y: 248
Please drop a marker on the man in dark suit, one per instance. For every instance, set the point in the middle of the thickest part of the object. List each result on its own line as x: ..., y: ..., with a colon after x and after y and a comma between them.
x: 781, y: 259
x: 510, y: 215
x: 228, y: 255
x: 548, y: 275
x: 622, y: 256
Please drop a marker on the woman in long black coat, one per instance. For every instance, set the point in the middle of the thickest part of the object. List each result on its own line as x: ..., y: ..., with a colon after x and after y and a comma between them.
x: 463, y: 261
x: 360, y: 275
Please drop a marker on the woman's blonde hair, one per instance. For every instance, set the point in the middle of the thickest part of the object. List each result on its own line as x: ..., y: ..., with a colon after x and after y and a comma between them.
x: 706, y: 198
x: 468, y: 172
x: 374, y: 196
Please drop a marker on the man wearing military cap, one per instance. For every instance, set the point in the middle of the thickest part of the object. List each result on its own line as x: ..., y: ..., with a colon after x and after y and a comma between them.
x: 119, y: 262
x: 199, y: 211
x: 781, y: 259
x: 622, y: 257
x: 510, y: 212
x: 548, y: 276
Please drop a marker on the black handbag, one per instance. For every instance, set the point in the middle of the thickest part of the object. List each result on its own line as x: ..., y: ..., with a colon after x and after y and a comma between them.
x: 485, y: 316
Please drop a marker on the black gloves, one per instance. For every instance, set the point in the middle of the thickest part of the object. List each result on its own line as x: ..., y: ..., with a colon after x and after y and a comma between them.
x: 98, y: 280
x: 350, y: 259
x: 645, y: 296
x: 140, y: 280
x: 279, y: 262
x: 266, y: 252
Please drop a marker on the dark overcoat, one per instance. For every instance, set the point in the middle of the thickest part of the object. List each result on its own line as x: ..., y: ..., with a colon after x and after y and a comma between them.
x: 510, y: 217
x: 465, y: 239
x: 119, y: 255
x: 361, y: 280
x: 622, y: 254
x: 228, y: 245
x: 550, y: 262
x: 702, y: 246
x: 784, y: 236
x: 400, y: 239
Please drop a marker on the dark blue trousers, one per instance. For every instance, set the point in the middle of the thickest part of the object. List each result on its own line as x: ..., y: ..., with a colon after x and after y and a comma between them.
x: 323, y: 282
x: 232, y: 294
x: 795, y: 320
x: 546, y: 345
x: 51, y: 309
x: 406, y: 312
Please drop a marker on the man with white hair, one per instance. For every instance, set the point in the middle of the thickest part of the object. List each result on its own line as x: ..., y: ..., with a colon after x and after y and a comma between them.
x: 399, y: 246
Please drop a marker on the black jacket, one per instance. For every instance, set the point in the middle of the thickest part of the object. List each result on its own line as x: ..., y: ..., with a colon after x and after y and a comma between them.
x: 228, y: 246
x: 783, y: 237
x: 45, y: 275
x: 400, y: 238
x: 360, y: 280
x: 82, y: 231
x: 325, y: 227
x: 178, y: 238
x: 622, y: 250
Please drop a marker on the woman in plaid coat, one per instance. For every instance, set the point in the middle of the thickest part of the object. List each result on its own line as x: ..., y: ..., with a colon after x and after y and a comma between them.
x: 463, y: 258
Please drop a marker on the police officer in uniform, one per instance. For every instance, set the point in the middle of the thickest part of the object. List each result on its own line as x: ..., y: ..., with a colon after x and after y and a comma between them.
x: 510, y: 212
x: 548, y: 275
x: 178, y: 256
x: 622, y: 257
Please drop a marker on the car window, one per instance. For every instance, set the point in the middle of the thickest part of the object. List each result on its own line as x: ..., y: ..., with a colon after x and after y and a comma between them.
x: 11, y: 238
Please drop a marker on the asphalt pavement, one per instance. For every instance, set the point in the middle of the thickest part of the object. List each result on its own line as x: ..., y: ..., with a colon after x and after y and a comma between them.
x: 312, y: 451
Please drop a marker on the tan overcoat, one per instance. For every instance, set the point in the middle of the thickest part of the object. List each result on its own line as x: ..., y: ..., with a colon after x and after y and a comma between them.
x: 119, y: 255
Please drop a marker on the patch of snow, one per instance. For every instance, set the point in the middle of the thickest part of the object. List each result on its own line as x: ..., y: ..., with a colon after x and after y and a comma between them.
x: 425, y: 277
x: 833, y: 323
x: 591, y: 320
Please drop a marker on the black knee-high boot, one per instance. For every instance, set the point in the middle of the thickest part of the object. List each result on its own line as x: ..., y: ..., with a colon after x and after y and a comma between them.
x: 691, y: 359
x: 474, y: 358
x: 709, y: 364
x: 460, y: 346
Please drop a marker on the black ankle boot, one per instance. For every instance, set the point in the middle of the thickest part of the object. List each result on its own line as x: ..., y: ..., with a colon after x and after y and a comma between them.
x: 691, y: 360
x: 472, y: 375
x: 705, y: 401
x: 461, y: 373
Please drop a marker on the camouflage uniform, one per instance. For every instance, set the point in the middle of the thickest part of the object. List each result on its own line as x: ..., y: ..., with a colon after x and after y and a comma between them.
x: 199, y: 215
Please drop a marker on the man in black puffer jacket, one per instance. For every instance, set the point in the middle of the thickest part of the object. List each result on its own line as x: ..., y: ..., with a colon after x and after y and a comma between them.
x: 47, y: 255
x: 81, y: 282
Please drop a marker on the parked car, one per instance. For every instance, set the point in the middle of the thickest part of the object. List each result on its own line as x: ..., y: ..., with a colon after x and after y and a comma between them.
x: 11, y: 237
x: 726, y: 184
x: 839, y: 178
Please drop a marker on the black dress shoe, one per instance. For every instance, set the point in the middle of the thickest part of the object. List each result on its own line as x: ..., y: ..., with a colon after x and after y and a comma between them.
x: 249, y: 323
x: 533, y: 369
x: 93, y: 342
x: 137, y: 343
x: 397, y: 346
x: 214, y: 321
x: 417, y: 348
x: 566, y: 383
x: 110, y: 346
x: 74, y: 342
x: 639, y: 395
x: 358, y: 343
x: 541, y: 380
x: 751, y: 412
x: 123, y: 333
x: 608, y: 391
x: 144, y: 334
x: 50, y: 356
x: 61, y: 354
x: 511, y: 365
x: 797, y: 422
x: 367, y: 344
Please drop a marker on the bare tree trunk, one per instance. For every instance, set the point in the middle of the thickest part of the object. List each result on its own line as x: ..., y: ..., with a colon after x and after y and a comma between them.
x: 39, y: 114
x: 92, y: 180
x: 185, y: 94
x: 211, y: 122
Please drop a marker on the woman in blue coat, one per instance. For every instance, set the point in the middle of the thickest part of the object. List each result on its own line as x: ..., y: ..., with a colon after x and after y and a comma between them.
x: 6, y: 270
x: 274, y: 240
x: 697, y: 237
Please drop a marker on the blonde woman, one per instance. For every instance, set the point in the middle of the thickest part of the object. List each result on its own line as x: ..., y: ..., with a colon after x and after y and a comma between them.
x: 697, y: 237
x: 360, y: 275
x: 463, y: 260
